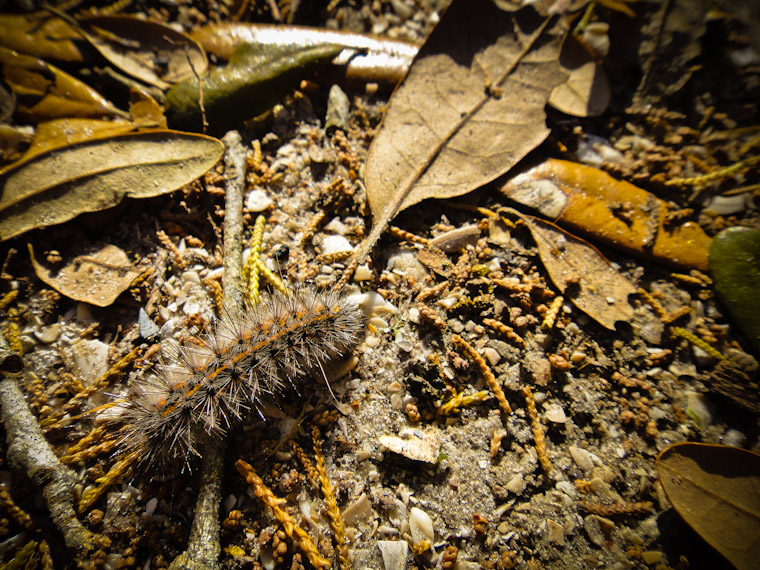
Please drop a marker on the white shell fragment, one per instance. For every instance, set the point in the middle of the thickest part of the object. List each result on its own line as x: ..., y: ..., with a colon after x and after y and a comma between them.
x: 360, y: 511
x: 420, y: 525
x: 394, y: 552
x: 335, y: 244
x: 555, y: 413
x: 582, y: 458
x: 414, y: 444
x: 258, y: 201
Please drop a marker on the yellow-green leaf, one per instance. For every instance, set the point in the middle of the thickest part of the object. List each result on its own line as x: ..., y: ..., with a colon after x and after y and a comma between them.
x: 256, y: 79
x: 57, y: 185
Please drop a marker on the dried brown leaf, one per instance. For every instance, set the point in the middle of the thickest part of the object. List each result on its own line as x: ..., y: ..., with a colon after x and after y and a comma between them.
x: 581, y: 273
x: 151, y: 52
x: 45, y: 92
x: 56, y: 185
x: 586, y: 92
x: 40, y: 34
x: 716, y: 490
x: 470, y: 108
x: 95, y: 275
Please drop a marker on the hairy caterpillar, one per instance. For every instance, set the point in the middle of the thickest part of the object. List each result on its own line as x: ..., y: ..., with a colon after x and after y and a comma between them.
x: 244, y: 363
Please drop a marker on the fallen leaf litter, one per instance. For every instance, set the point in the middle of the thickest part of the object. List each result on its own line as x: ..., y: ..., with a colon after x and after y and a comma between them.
x: 483, y: 500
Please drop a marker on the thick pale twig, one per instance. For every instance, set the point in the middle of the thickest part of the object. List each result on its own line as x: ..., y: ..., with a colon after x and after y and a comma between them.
x: 203, y: 548
x: 29, y: 452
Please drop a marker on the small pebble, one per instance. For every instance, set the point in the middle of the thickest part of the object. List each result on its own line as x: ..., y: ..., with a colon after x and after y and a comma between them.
x: 334, y: 244
x: 594, y: 530
x: 492, y: 356
x: 359, y: 511
x: 699, y: 408
x: 555, y: 413
x: 49, y: 333
x: 420, y: 525
x: 338, y: 109
x: 394, y: 553
x: 363, y: 273
x: 516, y: 484
x: 651, y: 556
x: 147, y: 327
x: 258, y: 201
x: 583, y: 459
x: 554, y: 532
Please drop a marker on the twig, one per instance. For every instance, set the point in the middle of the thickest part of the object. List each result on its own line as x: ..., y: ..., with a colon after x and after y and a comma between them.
x: 203, y: 548
x: 29, y: 451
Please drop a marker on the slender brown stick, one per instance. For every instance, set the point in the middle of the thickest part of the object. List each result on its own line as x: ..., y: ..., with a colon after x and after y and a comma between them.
x: 203, y: 548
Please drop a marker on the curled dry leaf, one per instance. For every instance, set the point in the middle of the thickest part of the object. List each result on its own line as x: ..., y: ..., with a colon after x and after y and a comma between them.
x: 56, y: 185
x: 489, y: 74
x: 366, y: 59
x: 151, y: 52
x: 44, y: 92
x: 586, y: 92
x: 581, y: 273
x: 256, y: 79
x: 716, y: 490
x: 588, y: 200
x: 96, y: 275
x: 41, y: 34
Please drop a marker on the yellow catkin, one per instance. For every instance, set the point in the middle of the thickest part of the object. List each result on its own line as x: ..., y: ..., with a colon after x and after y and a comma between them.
x: 431, y: 316
x: 23, y: 558
x: 461, y: 400
x: 493, y: 384
x: 92, y: 452
x: 404, y: 235
x: 103, y: 381
x: 696, y: 341
x: 250, y: 273
x: 654, y: 303
x: 217, y: 292
x: 13, y: 332
x: 616, y: 509
x: 503, y: 329
x: 538, y: 431
x: 171, y: 248
x: 311, y: 472
x: 691, y: 279
x: 330, y: 258
x: 45, y: 559
x: 257, y: 158
x: 715, y: 174
x: 254, y: 267
x: 87, y: 441
x: 114, y: 474
x: 332, y: 505
x: 677, y: 314
x: 19, y: 515
x: 8, y: 298
x: 551, y: 314
x: 288, y: 523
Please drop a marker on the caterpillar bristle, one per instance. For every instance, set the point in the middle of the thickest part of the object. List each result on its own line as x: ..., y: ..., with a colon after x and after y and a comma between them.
x: 243, y: 364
